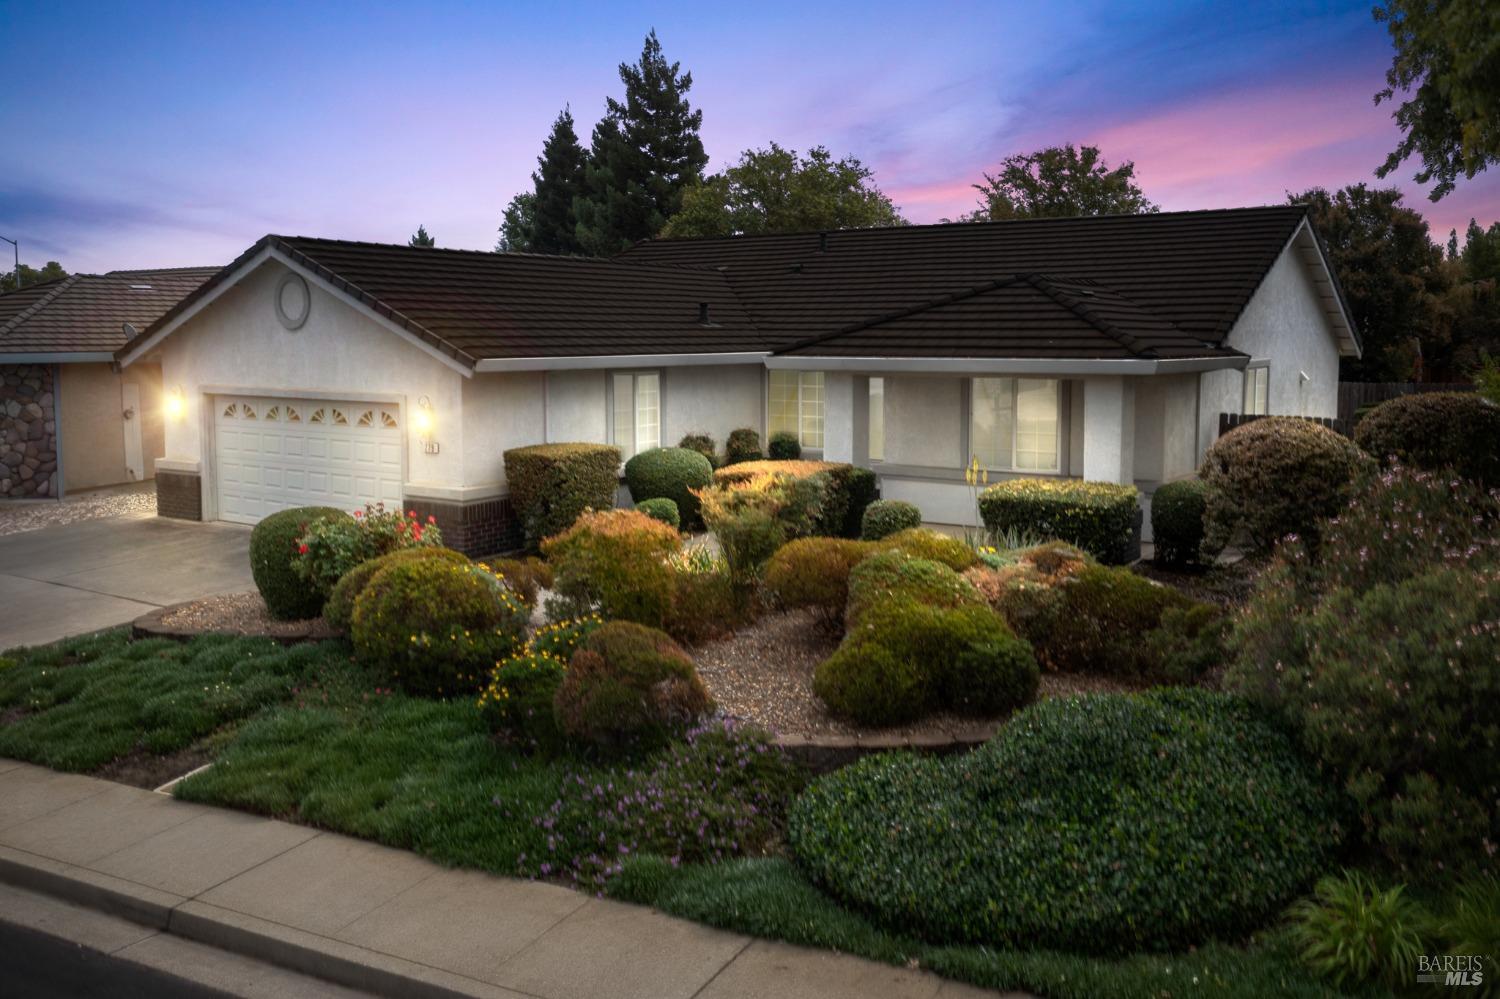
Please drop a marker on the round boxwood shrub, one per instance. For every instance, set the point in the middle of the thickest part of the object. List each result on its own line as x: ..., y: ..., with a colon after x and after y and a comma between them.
x: 743, y: 445
x: 887, y: 575
x: 661, y: 508
x: 1276, y: 476
x: 1104, y: 824
x: 339, y: 611
x: 273, y: 544
x: 1458, y: 431
x: 517, y: 702
x: 671, y: 472
x: 814, y: 573
x: 703, y: 444
x: 629, y: 685
x: 1099, y: 517
x: 436, y: 627
x: 616, y: 560
x: 784, y: 446
x: 1177, y: 521
x: 883, y: 518
x: 924, y: 542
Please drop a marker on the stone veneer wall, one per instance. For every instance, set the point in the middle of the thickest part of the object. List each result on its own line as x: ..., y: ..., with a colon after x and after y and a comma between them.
x: 28, y: 431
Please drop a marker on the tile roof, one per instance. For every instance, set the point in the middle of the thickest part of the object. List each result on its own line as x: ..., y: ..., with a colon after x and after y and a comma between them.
x: 1193, y: 270
x: 86, y: 313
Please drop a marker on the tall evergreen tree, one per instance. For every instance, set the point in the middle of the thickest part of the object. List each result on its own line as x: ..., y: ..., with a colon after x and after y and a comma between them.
x: 558, y: 182
x: 421, y: 238
x: 643, y: 154
x: 518, y: 224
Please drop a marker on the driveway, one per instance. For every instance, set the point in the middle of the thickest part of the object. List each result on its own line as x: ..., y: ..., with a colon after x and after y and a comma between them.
x: 77, y: 578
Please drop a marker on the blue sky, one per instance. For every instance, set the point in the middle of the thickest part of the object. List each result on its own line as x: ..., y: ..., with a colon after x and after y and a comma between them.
x: 147, y: 134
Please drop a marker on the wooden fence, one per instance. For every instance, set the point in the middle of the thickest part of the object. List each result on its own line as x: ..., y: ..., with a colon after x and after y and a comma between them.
x: 1228, y: 421
x: 1354, y: 395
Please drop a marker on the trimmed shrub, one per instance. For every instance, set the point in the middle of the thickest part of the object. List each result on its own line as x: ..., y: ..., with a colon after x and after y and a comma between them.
x: 756, y: 468
x: 273, y: 552
x: 1177, y: 521
x: 1396, y: 690
x: 527, y: 576
x: 704, y: 602
x: 436, y: 627
x: 551, y: 484
x: 885, y: 517
x: 1274, y: 477
x: 561, y: 639
x: 814, y: 573
x: 923, y: 542
x: 671, y: 472
x: 1099, y: 517
x: 873, y: 685
x: 1102, y: 617
x: 1436, y: 431
x: 617, y: 560
x: 1093, y: 824
x: 517, y: 702
x: 863, y: 488
x: 703, y: 444
x: 896, y: 574
x: 330, y: 548
x: 753, y: 516
x: 846, y: 490
x: 339, y: 610
x: 629, y: 685
x: 743, y: 445
x: 992, y: 677
x: 663, y: 509
x: 784, y: 446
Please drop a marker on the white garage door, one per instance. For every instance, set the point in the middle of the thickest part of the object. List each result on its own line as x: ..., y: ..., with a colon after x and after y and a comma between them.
x: 277, y: 453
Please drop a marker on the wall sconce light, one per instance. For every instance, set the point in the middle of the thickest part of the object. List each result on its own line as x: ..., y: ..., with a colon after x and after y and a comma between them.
x: 421, y: 420
x: 175, y: 403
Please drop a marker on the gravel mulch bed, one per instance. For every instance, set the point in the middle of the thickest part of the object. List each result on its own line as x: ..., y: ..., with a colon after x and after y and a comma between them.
x: 1225, y: 583
x: 763, y: 673
x: 17, y: 516
x: 240, y: 614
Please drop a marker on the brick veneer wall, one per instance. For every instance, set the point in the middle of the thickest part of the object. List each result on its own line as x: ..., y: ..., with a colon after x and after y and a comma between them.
x: 478, y: 527
x: 28, y: 431
x: 179, y: 494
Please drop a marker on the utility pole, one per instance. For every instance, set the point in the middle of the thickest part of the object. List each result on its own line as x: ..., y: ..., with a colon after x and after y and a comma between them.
x: 18, y: 260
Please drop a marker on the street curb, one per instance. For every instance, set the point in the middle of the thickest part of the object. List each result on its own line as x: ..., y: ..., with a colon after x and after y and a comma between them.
x: 281, y: 946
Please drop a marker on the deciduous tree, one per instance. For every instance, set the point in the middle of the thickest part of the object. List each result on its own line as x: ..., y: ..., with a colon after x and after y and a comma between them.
x: 1056, y: 182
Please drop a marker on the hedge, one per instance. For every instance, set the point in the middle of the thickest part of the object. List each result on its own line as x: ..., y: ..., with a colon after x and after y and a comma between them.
x: 1177, y: 510
x: 273, y: 545
x: 551, y: 484
x: 670, y: 473
x: 1458, y: 431
x: 1106, y: 824
x: 1099, y: 517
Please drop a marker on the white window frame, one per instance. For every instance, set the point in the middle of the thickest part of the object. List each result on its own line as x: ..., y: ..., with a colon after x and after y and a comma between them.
x: 1257, y: 375
x: 875, y: 443
x: 635, y: 377
x: 803, y: 404
x: 1015, y: 427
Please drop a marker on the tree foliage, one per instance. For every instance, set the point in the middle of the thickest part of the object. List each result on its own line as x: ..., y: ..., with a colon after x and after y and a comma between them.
x: 51, y: 271
x: 776, y: 190
x: 517, y: 224
x: 1058, y: 182
x: 1447, y: 68
x: 557, y: 183
x: 421, y: 238
x: 1391, y: 273
x: 643, y: 154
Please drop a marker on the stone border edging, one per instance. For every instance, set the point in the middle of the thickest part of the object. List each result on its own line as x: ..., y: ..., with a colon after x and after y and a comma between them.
x: 149, y: 625
x: 824, y: 753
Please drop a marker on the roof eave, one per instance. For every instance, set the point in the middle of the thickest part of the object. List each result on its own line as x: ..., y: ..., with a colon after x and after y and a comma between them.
x: 1008, y: 365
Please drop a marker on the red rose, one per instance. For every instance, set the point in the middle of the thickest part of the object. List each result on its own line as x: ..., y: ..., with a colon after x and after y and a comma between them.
x: 302, y: 549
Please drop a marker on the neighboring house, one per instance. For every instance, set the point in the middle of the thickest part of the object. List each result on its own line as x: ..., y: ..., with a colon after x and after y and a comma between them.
x: 321, y: 371
x: 69, y: 418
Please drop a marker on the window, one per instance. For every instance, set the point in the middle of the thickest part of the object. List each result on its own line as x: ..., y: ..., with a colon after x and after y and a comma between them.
x: 637, y: 412
x: 1257, y: 390
x: 1014, y: 424
x: 796, y: 405
x: 877, y: 419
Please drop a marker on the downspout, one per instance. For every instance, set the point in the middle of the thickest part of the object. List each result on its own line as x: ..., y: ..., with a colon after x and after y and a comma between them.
x: 57, y: 435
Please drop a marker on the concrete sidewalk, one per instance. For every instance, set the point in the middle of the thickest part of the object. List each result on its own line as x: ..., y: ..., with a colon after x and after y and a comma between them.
x: 382, y: 920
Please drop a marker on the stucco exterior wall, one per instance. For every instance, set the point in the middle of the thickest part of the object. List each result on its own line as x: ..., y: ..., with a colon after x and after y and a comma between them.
x: 1165, y: 428
x: 237, y: 342
x: 499, y: 412
x: 577, y: 407
x: 93, y: 425
x: 1283, y: 324
x: 713, y: 399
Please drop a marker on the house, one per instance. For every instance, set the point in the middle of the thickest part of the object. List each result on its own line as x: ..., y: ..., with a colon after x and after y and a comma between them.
x: 70, y: 419
x: 322, y: 371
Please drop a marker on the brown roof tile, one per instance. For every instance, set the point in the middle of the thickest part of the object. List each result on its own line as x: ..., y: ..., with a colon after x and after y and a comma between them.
x: 86, y: 313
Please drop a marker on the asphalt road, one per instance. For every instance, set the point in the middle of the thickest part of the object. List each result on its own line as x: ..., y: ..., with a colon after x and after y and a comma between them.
x: 34, y: 965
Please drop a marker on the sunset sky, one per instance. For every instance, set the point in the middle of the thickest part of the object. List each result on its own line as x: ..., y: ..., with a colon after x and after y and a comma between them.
x: 141, y: 134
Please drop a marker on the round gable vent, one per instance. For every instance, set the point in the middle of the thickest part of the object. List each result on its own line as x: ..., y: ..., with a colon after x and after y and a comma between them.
x: 293, y: 302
